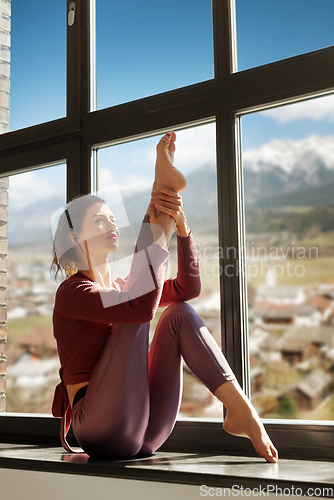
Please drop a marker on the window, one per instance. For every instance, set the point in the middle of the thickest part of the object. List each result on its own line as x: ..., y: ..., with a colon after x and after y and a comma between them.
x: 288, y: 199
x: 270, y: 31
x: 181, y: 53
x: 32, y: 359
x: 228, y: 100
x: 38, y: 58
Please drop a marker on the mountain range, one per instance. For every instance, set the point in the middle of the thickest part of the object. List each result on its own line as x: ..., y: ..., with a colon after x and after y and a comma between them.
x: 290, y: 173
x: 279, y: 174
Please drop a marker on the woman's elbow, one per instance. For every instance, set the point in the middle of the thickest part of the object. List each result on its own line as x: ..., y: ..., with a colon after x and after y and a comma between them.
x: 193, y: 291
x: 147, y: 313
x: 197, y: 291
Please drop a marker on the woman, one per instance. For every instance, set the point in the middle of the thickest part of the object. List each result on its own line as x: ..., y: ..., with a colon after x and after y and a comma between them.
x: 123, y: 398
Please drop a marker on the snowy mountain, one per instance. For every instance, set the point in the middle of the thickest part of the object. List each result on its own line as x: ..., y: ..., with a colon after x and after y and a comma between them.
x: 286, y: 166
x: 288, y: 154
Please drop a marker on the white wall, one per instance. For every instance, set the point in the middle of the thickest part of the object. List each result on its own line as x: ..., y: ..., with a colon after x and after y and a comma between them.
x: 27, y: 485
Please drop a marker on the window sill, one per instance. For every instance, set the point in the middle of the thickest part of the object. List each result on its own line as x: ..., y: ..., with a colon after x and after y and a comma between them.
x: 210, y: 469
x: 294, y: 439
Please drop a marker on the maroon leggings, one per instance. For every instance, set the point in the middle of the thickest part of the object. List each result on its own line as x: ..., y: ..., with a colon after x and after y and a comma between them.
x: 134, y: 394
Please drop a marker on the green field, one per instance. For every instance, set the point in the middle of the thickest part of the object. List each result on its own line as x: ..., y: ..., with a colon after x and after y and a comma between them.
x: 16, y: 328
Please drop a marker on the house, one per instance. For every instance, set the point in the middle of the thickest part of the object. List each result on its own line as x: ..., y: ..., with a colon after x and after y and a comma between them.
x: 267, y: 313
x: 322, y: 304
x: 280, y: 294
x: 310, y: 391
x: 307, y: 314
x: 299, y: 338
x: 293, y: 350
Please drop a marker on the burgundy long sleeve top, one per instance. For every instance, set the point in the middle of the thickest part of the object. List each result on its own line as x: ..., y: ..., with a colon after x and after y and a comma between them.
x: 84, y: 312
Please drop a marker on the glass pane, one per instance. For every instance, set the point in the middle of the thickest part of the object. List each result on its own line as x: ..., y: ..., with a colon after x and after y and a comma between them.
x: 37, y: 62
x: 269, y: 31
x: 144, y: 48
x: 288, y: 169
x: 32, y: 359
x: 129, y: 171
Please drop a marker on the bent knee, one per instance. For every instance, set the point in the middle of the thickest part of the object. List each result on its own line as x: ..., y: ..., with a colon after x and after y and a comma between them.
x: 180, y: 307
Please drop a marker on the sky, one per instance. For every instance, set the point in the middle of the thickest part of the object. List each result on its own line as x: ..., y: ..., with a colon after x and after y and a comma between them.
x: 158, y: 47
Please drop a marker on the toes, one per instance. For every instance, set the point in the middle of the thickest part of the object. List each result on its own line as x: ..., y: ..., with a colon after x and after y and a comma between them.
x: 172, y: 136
x: 167, y: 143
x: 271, y: 454
x: 163, y: 143
x: 271, y: 458
x: 274, y: 453
x: 166, y: 139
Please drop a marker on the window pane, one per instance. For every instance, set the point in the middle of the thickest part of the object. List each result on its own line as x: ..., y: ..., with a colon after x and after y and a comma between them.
x: 129, y: 171
x: 288, y: 169
x: 269, y: 31
x: 37, y: 62
x: 145, y: 48
x: 32, y: 359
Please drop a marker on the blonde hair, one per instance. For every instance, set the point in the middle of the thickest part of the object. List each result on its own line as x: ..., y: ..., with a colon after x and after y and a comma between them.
x: 67, y: 257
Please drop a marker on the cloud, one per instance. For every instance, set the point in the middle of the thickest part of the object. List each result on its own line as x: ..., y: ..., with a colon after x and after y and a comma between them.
x: 27, y: 187
x: 131, y: 182
x: 106, y: 177
x: 315, y: 109
x: 130, y: 166
x: 195, y: 147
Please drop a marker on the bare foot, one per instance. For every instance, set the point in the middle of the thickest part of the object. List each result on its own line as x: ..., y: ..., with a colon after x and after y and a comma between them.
x: 248, y: 424
x: 166, y: 175
x: 243, y: 420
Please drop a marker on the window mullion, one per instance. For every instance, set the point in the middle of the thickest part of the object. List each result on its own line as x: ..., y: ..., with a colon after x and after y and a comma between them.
x: 227, y: 186
x: 223, y: 33
x: 282, y: 82
x: 73, y: 67
x: 79, y: 96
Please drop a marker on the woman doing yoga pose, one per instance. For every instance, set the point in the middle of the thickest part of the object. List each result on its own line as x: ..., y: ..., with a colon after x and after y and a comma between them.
x: 121, y: 396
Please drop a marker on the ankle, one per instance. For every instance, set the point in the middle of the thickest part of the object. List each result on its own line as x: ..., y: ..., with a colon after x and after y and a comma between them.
x: 233, y: 397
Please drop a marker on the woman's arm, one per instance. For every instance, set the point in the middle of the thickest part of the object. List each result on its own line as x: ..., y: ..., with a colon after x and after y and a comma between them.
x: 80, y: 298
x: 187, y: 283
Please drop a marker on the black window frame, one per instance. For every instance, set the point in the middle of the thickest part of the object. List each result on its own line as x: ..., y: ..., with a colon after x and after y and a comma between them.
x: 224, y: 98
